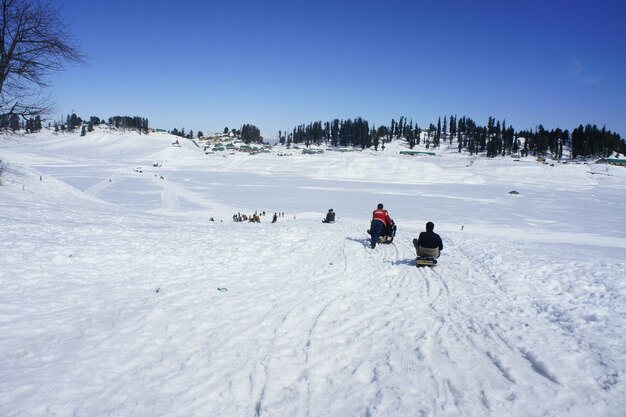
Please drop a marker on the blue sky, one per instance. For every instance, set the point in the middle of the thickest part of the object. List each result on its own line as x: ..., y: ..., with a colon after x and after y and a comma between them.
x: 204, y: 65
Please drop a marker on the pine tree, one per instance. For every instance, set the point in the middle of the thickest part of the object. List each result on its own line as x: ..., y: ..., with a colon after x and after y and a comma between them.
x: 453, y: 125
x: 14, y: 122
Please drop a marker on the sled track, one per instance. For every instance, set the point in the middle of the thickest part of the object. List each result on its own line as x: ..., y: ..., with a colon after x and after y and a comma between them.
x: 293, y: 341
x: 447, y: 340
x: 503, y: 339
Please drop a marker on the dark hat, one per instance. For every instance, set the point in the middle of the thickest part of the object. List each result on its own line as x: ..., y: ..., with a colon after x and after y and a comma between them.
x: 330, y: 209
x: 430, y: 226
x: 380, y: 206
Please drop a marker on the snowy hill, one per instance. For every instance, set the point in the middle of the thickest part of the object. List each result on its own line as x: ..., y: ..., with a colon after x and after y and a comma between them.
x: 120, y: 295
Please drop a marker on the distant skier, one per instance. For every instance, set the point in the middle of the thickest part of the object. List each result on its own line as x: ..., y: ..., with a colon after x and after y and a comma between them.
x: 380, y: 221
x: 330, y: 217
x: 428, y: 243
x: 274, y: 218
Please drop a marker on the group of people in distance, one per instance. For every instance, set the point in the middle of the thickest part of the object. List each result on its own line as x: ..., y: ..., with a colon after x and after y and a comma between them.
x: 427, y: 244
x: 252, y: 218
x: 256, y: 217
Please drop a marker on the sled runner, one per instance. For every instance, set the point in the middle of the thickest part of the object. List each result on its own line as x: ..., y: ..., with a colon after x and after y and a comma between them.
x: 385, y: 240
x: 423, y: 261
x: 389, y: 232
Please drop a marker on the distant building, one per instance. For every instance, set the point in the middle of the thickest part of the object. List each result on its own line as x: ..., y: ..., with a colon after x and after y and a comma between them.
x: 414, y: 153
x: 612, y: 161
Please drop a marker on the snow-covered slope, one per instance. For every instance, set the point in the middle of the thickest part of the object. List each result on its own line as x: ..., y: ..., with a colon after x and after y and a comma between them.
x: 110, y: 268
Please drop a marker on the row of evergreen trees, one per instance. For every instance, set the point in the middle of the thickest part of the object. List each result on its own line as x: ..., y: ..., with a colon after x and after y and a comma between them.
x: 138, y: 123
x: 183, y: 134
x: 336, y: 133
x: 495, y: 139
x: 14, y: 123
x: 73, y: 122
x: 248, y: 133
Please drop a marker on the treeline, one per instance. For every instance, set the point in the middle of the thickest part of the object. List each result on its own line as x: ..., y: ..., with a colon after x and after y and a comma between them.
x: 336, y: 133
x: 251, y: 134
x: 248, y: 133
x: 590, y: 140
x: 495, y: 139
x: 183, y: 134
x: 73, y: 122
x: 138, y: 123
x: 14, y: 123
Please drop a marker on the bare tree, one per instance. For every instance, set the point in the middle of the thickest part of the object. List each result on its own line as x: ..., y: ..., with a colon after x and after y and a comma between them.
x: 34, y: 43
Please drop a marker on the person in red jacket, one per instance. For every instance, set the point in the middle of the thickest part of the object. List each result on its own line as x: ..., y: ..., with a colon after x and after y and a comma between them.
x: 380, y: 221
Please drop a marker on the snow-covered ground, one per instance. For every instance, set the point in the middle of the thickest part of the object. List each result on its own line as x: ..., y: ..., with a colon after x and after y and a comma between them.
x: 110, y: 269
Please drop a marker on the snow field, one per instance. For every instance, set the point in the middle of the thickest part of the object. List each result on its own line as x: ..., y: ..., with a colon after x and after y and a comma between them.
x: 109, y: 303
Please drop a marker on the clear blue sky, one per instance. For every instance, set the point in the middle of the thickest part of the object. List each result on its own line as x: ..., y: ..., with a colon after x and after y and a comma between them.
x: 204, y: 65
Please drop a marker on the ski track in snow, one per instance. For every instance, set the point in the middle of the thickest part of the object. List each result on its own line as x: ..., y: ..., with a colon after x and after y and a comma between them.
x: 110, y: 311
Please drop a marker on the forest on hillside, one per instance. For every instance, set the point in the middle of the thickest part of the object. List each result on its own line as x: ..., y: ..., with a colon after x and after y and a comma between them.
x: 14, y: 123
x: 495, y: 139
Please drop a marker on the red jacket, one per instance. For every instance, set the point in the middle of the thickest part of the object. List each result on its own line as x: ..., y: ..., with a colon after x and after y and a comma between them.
x: 382, y: 215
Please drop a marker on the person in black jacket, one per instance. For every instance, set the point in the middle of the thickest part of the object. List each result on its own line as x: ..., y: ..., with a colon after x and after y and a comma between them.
x: 330, y: 217
x: 429, y: 243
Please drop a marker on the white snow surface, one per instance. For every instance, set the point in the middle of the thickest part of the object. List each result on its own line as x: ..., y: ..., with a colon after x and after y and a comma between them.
x: 110, y: 269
